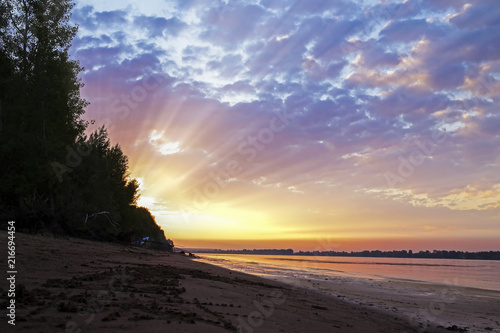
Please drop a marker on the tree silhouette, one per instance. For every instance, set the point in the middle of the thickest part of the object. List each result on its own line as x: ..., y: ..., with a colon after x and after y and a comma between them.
x: 41, y: 104
x: 52, y: 174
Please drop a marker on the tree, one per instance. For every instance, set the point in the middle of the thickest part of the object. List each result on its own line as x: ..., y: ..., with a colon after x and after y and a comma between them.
x: 101, y: 182
x: 41, y: 107
x: 41, y: 123
x: 101, y: 188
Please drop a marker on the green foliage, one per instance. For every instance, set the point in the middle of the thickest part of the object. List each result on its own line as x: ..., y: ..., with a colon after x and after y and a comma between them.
x: 40, y: 99
x: 52, y: 174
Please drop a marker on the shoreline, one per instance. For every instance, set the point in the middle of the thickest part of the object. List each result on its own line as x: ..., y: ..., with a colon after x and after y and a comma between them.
x: 76, y: 285
x: 421, y: 303
x: 196, y: 251
x: 443, y: 279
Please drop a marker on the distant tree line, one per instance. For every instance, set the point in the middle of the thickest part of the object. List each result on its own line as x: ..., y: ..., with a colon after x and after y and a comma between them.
x: 436, y: 254
x: 53, y: 175
x: 245, y: 251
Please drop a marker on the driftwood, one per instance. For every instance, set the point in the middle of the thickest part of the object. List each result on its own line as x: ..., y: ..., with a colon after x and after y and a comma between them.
x: 106, y: 214
x: 97, y: 230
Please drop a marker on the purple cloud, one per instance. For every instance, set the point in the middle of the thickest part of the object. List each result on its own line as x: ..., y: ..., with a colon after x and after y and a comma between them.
x: 159, y: 26
x: 363, y: 84
x: 409, y: 30
x: 483, y: 14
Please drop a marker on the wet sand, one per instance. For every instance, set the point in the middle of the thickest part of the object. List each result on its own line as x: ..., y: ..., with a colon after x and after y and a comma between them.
x: 422, y: 305
x: 74, y: 285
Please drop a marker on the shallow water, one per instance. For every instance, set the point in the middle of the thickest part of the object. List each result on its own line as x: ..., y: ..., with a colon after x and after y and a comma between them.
x: 483, y: 274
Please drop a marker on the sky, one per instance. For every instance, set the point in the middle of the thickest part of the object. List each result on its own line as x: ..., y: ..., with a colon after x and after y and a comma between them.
x: 312, y: 125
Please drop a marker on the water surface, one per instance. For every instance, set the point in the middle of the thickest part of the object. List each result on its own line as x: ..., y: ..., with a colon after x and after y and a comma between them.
x: 483, y: 274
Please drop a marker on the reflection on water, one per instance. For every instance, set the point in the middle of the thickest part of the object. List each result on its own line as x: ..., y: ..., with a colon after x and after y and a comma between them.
x: 482, y: 274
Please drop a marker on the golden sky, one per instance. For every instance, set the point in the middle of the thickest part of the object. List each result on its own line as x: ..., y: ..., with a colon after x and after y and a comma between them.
x: 340, y: 125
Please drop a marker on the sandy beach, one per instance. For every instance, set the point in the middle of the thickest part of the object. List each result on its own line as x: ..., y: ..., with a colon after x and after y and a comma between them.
x: 75, y: 285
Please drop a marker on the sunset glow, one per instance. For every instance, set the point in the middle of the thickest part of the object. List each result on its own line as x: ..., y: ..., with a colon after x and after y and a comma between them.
x: 313, y: 125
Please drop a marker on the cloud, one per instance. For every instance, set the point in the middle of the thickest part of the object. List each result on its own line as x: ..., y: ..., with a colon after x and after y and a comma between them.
x: 229, y: 66
x: 444, y: 4
x: 362, y: 86
x: 87, y: 18
x: 111, y: 18
x: 461, y: 199
x: 227, y: 27
x: 373, y: 56
x: 446, y: 76
x: 483, y: 14
x: 159, y: 26
x: 409, y: 30
x: 304, y: 7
